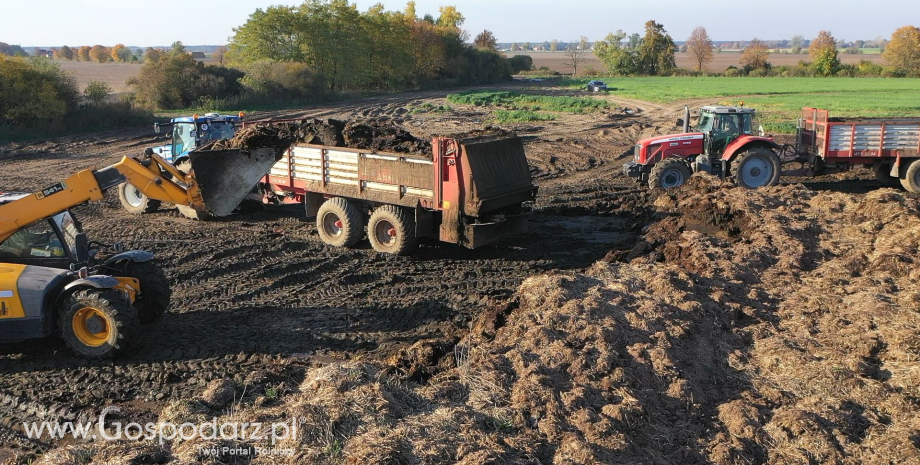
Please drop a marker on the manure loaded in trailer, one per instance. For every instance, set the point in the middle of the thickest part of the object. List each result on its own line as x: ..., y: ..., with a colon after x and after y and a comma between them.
x: 468, y: 191
x: 724, y: 144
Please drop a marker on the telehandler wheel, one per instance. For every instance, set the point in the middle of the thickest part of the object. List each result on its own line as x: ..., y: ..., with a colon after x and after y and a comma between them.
x: 136, y: 202
x: 153, y: 298
x: 392, y: 230
x: 911, y: 178
x: 883, y: 175
x: 756, y: 167
x: 669, y: 173
x: 98, y: 323
x: 340, y: 222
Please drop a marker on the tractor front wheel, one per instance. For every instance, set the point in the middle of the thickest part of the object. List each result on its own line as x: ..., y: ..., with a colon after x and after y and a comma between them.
x: 669, y: 173
x: 98, y: 323
x: 135, y: 201
x: 756, y: 168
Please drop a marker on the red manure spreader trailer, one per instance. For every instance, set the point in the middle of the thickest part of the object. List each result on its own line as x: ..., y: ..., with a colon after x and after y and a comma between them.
x: 471, y: 192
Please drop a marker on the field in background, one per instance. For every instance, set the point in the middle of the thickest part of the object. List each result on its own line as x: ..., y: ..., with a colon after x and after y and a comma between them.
x: 777, y: 99
x: 556, y: 61
x: 113, y: 74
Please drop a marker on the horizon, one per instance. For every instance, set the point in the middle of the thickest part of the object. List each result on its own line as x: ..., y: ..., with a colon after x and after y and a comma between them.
x: 55, y: 27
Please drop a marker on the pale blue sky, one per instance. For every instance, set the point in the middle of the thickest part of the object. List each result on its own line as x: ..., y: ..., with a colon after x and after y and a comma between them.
x: 210, y: 22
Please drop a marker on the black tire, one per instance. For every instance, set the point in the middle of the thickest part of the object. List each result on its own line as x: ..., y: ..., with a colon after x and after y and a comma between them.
x: 98, y: 323
x: 134, y: 201
x: 340, y: 222
x: 756, y: 167
x: 669, y: 173
x: 911, y: 177
x: 883, y: 175
x: 155, y: 294
x: 392, y: 230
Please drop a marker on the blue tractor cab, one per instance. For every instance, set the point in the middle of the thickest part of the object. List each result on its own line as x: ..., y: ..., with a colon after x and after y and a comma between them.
x: 187, y: 133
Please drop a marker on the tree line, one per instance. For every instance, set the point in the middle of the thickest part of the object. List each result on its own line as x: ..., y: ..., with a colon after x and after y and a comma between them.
x: 98, y: 53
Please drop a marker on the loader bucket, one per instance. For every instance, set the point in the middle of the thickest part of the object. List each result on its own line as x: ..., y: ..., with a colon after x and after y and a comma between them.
x: 220, y: 179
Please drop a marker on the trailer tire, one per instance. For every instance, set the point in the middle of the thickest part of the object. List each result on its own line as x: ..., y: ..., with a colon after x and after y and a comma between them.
x: 756, y: 167
x: 98, y: 323
x: 911, y: 178
x: 339, y: 222
x: 669, y: 173
x: 391, y: 230
x: 134, y: 201
x: 883, y: 175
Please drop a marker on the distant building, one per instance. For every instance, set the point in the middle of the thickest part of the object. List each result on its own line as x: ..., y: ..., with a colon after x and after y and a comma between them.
x: 198, y: 55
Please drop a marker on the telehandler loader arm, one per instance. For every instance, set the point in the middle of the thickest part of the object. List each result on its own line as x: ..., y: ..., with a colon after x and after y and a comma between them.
x: 224, y: 178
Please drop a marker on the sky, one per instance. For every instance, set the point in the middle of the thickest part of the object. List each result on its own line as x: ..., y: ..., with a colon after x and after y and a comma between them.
x: 211, y: 22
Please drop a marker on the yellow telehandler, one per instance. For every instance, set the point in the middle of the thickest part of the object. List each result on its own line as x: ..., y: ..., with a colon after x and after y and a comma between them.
x: 49, y: 277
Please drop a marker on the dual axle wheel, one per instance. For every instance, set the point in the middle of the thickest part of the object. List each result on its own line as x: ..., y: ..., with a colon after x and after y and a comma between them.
x: 390, y: 229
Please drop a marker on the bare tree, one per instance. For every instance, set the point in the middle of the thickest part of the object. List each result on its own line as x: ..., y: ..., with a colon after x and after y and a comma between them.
x: 486, y: 41
x: 699, y: 46
x: 219, y: 54
x: 576, y: 54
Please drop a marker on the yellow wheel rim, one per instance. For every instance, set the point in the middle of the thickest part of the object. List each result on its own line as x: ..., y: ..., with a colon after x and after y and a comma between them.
x: 91, y: 326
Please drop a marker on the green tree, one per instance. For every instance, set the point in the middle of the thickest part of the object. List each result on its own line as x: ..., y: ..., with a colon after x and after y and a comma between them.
x: 618, y: 58
x: 35, y: 93
x: 823, y: 52
x: 174, y: 80
x: 275, y: 33
x: 120, y: 53
x: 450, y: 17
x: 656, y: 52
x: 903, y: 51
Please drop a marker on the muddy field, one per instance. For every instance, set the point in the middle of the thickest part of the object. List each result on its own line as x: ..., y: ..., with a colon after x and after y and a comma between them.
x: 557, y: 61
x: 703, y: 325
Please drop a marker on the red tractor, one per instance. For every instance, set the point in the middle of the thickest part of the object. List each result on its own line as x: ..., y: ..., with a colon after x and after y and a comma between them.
x: 724, y: 144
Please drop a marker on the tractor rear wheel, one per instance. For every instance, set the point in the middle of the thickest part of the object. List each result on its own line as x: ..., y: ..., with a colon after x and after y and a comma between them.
x: 911, y: 178
x: 136, y: 202
x: 669, y: 173
x: 340, y: 222
x: 98, y: 323
x: 153, y: 298
x: 392, y: 230
x: 756, y: 167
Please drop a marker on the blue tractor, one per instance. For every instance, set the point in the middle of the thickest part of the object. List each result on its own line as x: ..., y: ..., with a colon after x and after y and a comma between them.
x: 188, y: 133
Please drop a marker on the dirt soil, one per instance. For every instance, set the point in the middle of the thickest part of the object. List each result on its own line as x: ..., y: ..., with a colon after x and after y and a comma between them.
x: 709, y: 324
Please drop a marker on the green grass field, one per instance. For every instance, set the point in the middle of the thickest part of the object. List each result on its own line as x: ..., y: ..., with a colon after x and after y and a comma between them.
x: 777, y: 99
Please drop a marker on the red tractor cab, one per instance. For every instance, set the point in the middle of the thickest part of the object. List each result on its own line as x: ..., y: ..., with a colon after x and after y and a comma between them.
x: 724, y: 143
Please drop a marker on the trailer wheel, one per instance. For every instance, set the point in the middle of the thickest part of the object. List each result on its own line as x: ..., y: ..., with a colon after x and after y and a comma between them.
x: 883, y: 175
x: 392, y: 230
x: 136, y: 202
x: 756, y: 167
x: 911, y: 178
x: 669, y: 173
x: 340, y: 222
x: 98, y: 323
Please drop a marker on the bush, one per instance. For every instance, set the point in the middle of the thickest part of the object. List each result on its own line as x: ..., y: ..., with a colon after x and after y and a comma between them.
x: 38, y: 99
x: 476, y: 67
x: 175, y: 80
x: 96, y: 92
x: 283, y: 82
x: 35, y: 93
x: 520, y: 63
x: 732, y: 71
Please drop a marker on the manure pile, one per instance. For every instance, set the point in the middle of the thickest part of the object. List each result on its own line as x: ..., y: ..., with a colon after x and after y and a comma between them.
x: 771, y: 326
